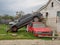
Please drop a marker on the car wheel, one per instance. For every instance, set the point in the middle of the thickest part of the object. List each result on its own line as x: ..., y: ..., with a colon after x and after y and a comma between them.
x: 36, y: 19
x: 14, y: 29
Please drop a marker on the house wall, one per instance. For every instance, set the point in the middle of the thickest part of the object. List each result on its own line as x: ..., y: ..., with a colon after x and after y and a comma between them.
x: 52, y: 14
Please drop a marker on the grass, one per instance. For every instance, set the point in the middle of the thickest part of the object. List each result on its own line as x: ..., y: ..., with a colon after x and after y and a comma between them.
x: 21, y: 34
x: 3, y: 28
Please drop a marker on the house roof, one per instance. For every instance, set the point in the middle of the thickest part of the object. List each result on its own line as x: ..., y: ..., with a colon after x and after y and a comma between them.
x: 44, y: 6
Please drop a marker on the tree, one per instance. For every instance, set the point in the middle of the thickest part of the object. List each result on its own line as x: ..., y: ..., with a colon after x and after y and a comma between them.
x: 19, y: 14
x: 5, y: 16
x: 0, y: 17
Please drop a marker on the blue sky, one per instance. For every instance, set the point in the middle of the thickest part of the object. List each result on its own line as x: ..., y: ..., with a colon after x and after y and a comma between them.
x: 11, y: 6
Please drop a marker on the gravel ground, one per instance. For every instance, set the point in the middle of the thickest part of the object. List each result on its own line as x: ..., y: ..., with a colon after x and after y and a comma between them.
x: 29, y: 42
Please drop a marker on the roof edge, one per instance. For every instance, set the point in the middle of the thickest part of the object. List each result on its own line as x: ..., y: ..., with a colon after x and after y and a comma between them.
x: 44, y: 6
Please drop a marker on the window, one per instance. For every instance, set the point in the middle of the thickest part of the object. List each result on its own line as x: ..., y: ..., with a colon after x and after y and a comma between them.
x: 39, y: 25
x: 58, y: 13
x: 46, y: 14
x: 52, y: 4
x: 58, y: 0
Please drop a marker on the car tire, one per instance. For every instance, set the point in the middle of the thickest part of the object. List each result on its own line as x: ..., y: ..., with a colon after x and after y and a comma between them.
x: 36, y: 18
x: 14, y: 29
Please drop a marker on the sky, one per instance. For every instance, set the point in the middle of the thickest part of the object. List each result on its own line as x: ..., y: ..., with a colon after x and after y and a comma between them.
x: 11, y: 6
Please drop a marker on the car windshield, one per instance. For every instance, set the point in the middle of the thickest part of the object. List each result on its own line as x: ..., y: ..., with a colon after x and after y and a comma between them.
x: 38, y: 25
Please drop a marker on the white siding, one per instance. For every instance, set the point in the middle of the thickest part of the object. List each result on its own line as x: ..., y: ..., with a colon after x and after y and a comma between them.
x: 52, y: 13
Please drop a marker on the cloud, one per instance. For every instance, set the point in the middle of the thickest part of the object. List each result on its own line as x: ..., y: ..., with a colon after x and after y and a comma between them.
x: 11, y: 6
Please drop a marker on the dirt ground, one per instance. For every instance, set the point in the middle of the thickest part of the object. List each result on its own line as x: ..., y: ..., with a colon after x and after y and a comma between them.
x: 29, y: 42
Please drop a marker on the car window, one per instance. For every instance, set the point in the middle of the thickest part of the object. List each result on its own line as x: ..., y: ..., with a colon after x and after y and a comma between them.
x: 38, y: 25
x: 23, y: 17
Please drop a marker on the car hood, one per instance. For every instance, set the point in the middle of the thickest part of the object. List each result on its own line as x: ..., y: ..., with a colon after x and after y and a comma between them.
x: 42, y: 29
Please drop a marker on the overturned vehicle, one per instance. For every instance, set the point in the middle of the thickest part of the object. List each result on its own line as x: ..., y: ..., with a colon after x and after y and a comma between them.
x: 25, y: 20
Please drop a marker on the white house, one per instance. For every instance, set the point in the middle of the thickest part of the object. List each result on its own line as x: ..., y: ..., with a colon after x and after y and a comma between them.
x: 52, y: 9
